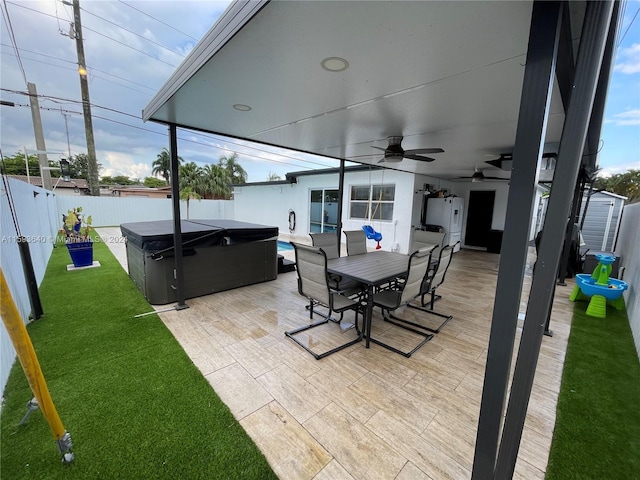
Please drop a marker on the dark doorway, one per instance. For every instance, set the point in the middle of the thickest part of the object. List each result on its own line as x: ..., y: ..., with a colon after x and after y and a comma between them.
x: 479, y: 217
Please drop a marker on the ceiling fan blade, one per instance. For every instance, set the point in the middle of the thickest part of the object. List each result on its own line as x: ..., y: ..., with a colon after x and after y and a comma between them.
x: 419, y: 158
x: 389, y: 160
x: 419, y: 151
x: 378, y: 148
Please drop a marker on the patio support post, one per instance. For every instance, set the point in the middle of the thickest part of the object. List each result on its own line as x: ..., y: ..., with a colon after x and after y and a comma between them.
x: 340, y: 197
x: 593, y: 137
x: 178, y: 272
x: 590, y: 56
x: 529, y: 144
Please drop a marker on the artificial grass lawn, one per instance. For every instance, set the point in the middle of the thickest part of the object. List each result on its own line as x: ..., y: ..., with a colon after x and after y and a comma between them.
x: 133, y: 402
x: 597, y: 431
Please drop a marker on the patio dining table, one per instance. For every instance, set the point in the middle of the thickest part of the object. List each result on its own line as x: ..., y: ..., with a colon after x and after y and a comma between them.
x: 371, y: 269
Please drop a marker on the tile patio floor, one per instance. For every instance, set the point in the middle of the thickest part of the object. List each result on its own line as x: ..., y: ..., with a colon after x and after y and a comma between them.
x: 365, y: 413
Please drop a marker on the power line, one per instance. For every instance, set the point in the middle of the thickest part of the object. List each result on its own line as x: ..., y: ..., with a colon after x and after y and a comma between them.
x: 75, y: 69
x: 89, y: 68
x: 129, y: 46
x: 159, y: 21
x: 627, y: 30
x: 188, y: 140
x: 7, y: 21
x: 96, y: 32
x: 131, y: 31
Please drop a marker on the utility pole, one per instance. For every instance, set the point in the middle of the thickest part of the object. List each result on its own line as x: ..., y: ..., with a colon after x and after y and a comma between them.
x: 66, y: 127
x: 37, y: 130
x: 92, y: 179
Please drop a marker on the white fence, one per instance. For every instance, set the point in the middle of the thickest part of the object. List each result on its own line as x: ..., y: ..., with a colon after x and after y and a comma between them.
x: 629, y: 248
x: 31, y: 212
x: 112, y: 211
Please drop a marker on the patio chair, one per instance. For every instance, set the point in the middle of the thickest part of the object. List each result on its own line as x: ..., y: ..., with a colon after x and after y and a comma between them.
x: 423, y: 238
x: 356, y: 242
x: 329, y: 243
x: 313, y: 284
x: 394, y: 298
x: 431, y: 282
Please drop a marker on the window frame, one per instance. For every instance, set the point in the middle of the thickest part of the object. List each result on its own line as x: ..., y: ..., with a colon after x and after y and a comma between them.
x: 370, y: 202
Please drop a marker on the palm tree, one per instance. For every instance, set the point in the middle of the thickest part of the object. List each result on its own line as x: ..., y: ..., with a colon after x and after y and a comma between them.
x: 162, y: 165
x: 237, y: 174
x: 190, y: 175
x: 188, y: 194
x: 215, y: 181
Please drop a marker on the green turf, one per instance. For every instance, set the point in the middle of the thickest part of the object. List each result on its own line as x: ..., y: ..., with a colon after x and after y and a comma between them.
x: 134, y: 404
x: 597, y: 431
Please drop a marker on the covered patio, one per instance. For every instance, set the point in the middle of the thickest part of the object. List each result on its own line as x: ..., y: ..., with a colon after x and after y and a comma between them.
x: 359, y: 413
x: 457, y: 81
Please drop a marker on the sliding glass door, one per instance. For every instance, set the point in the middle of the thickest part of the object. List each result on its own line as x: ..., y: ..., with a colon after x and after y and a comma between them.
x: 323, y: 216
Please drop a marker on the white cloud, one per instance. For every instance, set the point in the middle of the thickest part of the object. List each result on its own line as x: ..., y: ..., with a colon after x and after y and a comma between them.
x: 117, y: 163
x: 630, y: 117
x: 629, y: 60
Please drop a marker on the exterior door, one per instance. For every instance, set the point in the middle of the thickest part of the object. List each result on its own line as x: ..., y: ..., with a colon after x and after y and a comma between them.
x: 479, y: 217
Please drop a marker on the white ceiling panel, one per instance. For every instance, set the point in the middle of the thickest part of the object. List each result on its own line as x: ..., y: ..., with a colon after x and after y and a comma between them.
x: 440, y: 74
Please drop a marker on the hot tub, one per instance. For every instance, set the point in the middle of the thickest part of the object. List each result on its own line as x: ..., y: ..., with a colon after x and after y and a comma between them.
x: 217, y: 255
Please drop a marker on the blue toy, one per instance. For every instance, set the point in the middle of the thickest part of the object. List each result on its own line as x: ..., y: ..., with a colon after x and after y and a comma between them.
x: 599, y: 288
x: 372, y: 235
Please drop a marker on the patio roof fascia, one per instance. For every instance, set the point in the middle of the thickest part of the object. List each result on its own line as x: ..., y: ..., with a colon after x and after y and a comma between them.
x: 236, y: 16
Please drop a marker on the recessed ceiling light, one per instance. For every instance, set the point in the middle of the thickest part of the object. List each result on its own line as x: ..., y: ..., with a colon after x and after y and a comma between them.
x: 242, y: 107
x: 334, y: 64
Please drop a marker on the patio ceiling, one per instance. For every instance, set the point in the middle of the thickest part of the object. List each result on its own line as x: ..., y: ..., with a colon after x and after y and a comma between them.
x: 440, y: 74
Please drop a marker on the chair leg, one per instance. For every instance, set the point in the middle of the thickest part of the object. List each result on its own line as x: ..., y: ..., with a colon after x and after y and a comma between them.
x: 430, y: 312
x: 319, y: 356
x: 427, y: 337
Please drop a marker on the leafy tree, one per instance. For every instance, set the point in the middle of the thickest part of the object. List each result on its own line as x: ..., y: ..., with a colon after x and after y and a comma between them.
x: 162, y: 165
x: 626, y: 184
x: 79, y: 165
x: 153, y: 182
x: 273, y: 177
x: 236, y: 173
x: 215, y: 182
x: 15, y: 165
x: 189, y: 194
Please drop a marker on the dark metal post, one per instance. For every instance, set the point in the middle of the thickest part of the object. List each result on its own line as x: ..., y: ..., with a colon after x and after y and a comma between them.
x: 529, y: 143
x: 589, y: 59
x: 30, y: 277
x: 340, y: 197
x: 178, y: 272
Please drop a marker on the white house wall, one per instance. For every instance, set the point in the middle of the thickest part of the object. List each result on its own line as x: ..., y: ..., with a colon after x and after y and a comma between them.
x: 270, y: 204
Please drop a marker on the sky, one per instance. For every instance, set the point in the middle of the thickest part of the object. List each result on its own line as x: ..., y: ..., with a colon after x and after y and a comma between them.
x: 132, y: 47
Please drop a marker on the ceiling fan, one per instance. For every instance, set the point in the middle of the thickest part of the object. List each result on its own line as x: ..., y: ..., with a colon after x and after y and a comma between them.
x: 478, y: 176
x: 395, y: 153
x: 505, y: 160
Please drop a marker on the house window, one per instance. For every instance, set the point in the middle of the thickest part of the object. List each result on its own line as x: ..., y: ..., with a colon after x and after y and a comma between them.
x: 372, y: 202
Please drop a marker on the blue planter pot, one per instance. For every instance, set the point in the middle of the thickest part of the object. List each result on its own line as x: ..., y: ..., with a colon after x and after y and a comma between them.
x: 81, y: 253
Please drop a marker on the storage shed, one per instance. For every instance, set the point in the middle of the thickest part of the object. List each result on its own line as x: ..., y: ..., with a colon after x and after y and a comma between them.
x: 602, y: 220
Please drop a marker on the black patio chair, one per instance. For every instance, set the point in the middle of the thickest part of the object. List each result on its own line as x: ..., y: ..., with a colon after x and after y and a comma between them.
x: 329, y: 243
x: 431, y: 282
x: 395, y: 297
x: 313, y: 283
x: 356, y: 242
